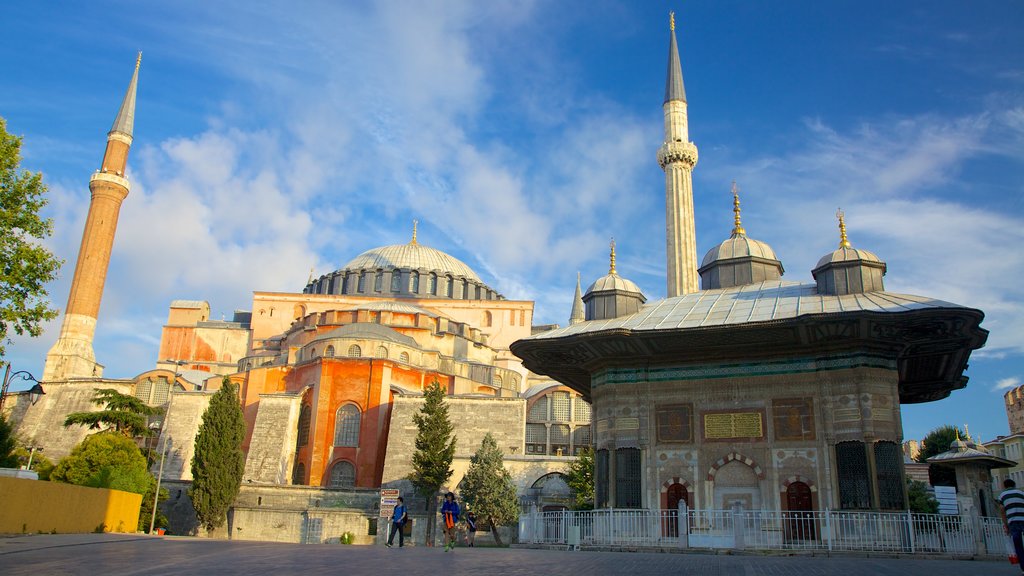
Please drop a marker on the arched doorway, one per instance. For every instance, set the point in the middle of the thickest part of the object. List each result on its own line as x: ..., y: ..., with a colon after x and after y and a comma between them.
x: 674, y: 494
x: 800, y: 518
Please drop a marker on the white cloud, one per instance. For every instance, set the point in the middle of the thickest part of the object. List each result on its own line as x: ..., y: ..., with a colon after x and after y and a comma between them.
x: 1007, y: 383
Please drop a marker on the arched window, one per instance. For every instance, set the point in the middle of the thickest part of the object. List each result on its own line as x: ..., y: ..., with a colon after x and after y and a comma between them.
x: 361, y: 288
x: 299, y: 311
x: 378, y: 281
x: 143, y: 390
x: 346, y: 426
x: 329, y: 352
x: 299, y: 474
x: 498, y: 381
x: 488, y: 319
x: 580, y: 410
x: 382, y: 352
x: 396, y: 281
x: 560, y: 406
x: 354, y: 351
x: 414, y: 282
x: 304, y: 420
x: 432, y: 284
x: 449, y: 286
x: 539, y: 410
x: 404, y: 357
x: 343, y: 475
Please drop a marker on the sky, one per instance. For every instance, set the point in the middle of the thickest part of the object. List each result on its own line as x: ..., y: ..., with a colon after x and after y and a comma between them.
x: 274, y: 138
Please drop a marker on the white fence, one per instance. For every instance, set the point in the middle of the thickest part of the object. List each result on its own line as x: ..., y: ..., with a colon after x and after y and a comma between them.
x: 896, y: 532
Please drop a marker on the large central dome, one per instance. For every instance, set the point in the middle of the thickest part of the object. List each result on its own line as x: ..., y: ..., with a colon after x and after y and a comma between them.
x: 411, y: 256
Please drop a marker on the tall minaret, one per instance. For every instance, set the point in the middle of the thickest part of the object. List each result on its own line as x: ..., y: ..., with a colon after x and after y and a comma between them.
x: 72, y: 356
x: 677, y: 157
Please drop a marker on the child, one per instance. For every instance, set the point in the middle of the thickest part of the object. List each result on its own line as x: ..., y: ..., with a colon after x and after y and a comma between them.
x: 450, y: 514
x: 470, y: 527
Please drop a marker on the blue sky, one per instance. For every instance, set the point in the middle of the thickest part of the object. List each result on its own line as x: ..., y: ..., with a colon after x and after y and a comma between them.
x: 271, y: 138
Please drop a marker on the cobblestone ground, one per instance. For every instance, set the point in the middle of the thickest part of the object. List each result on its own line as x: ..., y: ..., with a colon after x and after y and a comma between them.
x: 104, y: 554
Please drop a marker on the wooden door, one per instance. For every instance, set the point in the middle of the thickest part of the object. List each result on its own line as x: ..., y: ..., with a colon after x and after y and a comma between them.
x: 801, y: 512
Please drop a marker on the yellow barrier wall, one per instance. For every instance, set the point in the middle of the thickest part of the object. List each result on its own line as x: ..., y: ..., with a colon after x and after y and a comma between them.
x: 29, y: 506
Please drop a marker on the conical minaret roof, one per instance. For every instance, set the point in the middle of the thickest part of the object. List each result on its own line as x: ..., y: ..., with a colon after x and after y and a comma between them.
x: 577, y: 315
x: 674, y: 89
x: 125, y: 121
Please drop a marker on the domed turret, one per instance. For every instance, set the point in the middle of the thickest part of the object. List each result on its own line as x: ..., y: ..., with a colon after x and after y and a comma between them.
x: 848, y: 270
x: 611, y: 295
x: 739, y: 260
x: 409, y: 270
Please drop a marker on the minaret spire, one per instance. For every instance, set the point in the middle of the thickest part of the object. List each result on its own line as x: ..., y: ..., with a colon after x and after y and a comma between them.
x: 72, y: 356
x: 415, y: 223
x: 611, y: 257
x: 677, y: 157
x: 578, y: 314
x: 737, y: 229
x: 843, y: 241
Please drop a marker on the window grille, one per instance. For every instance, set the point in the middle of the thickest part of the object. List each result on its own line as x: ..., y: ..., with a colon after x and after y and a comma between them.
x: 143, y: 390
x: 560, y: 439
x: 396, y: 281
x: 601, y: 484
x: 354, y: 351
x: 404, y: 357
x: 161, y: 390
x: 580, y: 438
x: 362, y: 282
x: 498, y: 382
x: 539, y: 410
x: 560, y: 406
x: 382, y: 352
x: 378, y: 281
x: 627, y: 478
x: 346, y: 426
x: 299, y: 474
x: 432, y: 286
x: 888, y: 457
x: 414, y: 282
x: 304, y: 420
x: 329, y: 352
x: 343, y: 475
x: 852, y: 470
x: 449, y: 286
x: 580, y: 410
x: 536, y: 439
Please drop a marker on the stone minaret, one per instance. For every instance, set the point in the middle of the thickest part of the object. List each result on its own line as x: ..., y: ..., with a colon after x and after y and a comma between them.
x: 577, y: 315
x: 677, y: 157
x: 72, y: 356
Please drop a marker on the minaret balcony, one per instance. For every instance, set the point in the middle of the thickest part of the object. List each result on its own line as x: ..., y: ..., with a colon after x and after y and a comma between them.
x: 110, y: 178
x: 673, y: 152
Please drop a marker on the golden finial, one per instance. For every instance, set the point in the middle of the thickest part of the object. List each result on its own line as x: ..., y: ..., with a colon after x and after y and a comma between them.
x: 415, y: 224
x: 611, y: 268
x: 967, y: 432
x: 843, y: 241
x: 737, y: 228
x: 138, y: 61
x: 672, y: 21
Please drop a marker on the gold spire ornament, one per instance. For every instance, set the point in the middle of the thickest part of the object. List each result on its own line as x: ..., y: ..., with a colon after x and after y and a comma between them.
x: 843, y: 241
x: 672, y: 21
x: 415, y: 224
x: 738, y: 227
x: 611, y: 267
x: 138, y: 61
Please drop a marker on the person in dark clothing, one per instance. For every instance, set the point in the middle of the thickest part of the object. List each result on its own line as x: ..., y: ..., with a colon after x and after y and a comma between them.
x: 470, y: 527
x: 398, y: 520
x: 450, y: 514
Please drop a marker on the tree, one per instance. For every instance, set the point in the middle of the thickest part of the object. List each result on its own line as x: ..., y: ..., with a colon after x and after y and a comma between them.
x: 40, y: 464
x: 435, y: 449
x: 936, y: 442
x: 8, y: 442
x: 126, y: 414
x: 218, y: 462
x: 919, y: 500
x: 580, y: 479
x: 488, y: 490
x: 26, y: 266
x: 105, y: 460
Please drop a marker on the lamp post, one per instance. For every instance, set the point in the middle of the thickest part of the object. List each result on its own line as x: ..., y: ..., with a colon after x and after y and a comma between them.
x: 34, y: 393
x: 163, y: 453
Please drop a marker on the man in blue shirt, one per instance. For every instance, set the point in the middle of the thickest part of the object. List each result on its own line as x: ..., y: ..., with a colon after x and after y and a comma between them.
x: 450, y: 514
x: 398, y: 519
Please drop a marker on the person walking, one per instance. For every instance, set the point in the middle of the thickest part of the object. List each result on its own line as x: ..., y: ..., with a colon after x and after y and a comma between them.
x: 398, y: 519
x: 1011, y: 508
x: 450, y: 514
x: 470, y: 527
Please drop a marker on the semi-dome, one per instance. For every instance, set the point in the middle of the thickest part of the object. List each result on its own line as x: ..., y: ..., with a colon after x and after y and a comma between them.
x: 414, y: 256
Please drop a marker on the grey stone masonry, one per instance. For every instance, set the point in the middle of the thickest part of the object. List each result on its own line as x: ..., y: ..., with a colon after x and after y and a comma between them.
x: 272, y: 448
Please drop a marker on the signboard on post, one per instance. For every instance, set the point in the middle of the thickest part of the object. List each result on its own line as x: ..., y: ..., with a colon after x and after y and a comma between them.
x: 388, y: 501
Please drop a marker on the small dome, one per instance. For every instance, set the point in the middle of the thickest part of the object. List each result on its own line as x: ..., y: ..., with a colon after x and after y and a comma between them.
x: 739, y: 246
x: 847, y: 255
x: 613, y: 282
x: 413, y: 256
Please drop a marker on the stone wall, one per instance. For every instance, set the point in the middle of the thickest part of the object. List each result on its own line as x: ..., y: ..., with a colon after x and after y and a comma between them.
x: 272, y: 447
x: 181, y: 424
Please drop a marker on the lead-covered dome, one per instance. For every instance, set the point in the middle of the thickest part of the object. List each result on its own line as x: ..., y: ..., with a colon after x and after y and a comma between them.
x: 739, y: 260
x: 848, y: 270
x: 414, y: 257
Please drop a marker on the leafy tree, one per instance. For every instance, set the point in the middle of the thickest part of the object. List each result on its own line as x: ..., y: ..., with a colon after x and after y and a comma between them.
x: 435, y: 449
x: 218, y: 462
x: 26, y: 266
x: 42, y: 465
x: 936, y: 442
x: 8, y: 442
x: 580, y: 479
x: 105, y: 460
x: 146, y: 510
x: 487, y: 488
x: 124, y: 413
x: 920, y: 501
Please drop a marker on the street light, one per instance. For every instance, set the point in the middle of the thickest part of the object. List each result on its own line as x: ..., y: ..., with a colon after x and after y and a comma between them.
x: 34, y: 393
x: 163, y: 453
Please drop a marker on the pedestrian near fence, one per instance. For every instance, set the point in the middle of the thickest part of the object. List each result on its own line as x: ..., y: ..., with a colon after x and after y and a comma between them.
x: 398, y: 519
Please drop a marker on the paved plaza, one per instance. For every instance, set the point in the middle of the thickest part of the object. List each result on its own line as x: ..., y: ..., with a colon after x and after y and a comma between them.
x: 108, y: 554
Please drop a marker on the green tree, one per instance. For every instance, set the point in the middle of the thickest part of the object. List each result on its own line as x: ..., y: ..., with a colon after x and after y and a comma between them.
x: 487, y: 488
x: 8, y: 442
x: 435, y: 449
x: 218, y: 462
x: 580, y: 479
x: 105, y: 460
x: 919, y: 500
x: 26, y: 266
x: 126, y: 414
x: 42, y: 465
x: 936, y: 442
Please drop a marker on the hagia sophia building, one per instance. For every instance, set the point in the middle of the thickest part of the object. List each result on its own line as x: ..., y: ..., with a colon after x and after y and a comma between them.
x: 738, y: 389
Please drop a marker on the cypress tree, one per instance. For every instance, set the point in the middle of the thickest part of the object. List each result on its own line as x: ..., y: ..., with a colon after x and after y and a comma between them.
x: 488, y: 490
x: 435, y: 449
x: 218, y: 462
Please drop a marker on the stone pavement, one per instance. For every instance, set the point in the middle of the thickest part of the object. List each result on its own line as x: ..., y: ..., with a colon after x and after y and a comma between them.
x: 116, y: 555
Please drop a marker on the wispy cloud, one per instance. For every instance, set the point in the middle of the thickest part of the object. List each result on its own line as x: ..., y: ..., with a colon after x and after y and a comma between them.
x: 1007, y: 383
